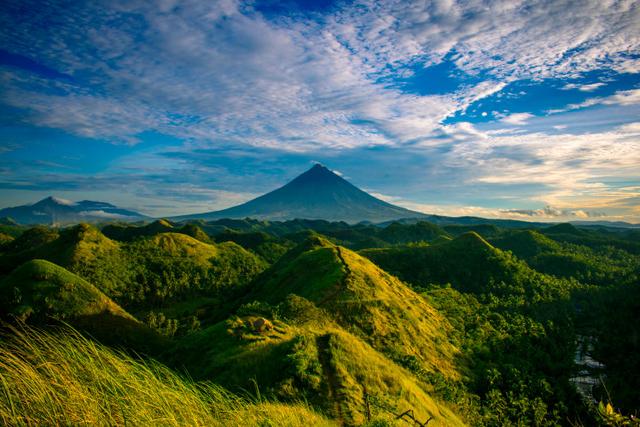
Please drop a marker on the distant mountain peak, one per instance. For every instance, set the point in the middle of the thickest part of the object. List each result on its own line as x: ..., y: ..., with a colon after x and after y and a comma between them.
x: 317, y: 193
x: 318, y: 166
x: 54, y: 201
x: 59, y: 211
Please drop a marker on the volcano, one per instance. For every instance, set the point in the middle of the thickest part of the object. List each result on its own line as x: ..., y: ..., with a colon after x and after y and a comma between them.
x: 318, y: 193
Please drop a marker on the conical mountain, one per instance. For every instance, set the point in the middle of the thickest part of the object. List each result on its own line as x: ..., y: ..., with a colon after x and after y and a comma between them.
x: 316, y: 194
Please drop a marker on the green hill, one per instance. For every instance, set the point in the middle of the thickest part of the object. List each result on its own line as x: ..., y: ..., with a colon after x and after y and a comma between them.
x: 467, y: 262
x: 5, y: 239
x: 42, y: 289
x: 40, y: 292
x: 269, y: 247
x: 174, y: 264
x: 601, y: 265
x: 564, y: 228
x: 342, y: 329
x: 32, y: 238
x: 422, y: 231
x: 129, y: 232
x: 486, y: 230
x: 363, y: 299
x: 526, y: 243
x: 10, y: 227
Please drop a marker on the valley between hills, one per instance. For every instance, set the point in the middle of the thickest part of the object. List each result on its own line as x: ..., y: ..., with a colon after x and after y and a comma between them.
x: 269, y: 322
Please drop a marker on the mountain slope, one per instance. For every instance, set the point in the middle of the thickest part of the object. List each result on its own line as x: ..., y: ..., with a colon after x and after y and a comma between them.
x: 53, y: 210
x: 345, y: 332
x: 316, y: 194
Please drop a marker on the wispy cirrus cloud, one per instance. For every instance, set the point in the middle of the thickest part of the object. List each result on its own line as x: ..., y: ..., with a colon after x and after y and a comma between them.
x: 623, y: 97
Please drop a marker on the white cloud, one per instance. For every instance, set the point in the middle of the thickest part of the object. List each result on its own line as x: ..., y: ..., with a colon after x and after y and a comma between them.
x: 583, y: 87
x: 216, y: 74
x: 513, y: 39
x: 517, y: 119
x: 577, y: 172
x: 103, y: 214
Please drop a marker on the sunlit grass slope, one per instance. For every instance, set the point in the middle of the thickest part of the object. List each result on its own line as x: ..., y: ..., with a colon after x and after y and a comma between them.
x: 64, y: 379
x: 127, y: 232
x: 5, y: 239
x: 364, y: 300
x: 342, y: 329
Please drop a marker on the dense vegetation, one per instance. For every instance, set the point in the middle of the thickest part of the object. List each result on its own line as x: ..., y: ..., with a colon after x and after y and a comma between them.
x: 461, y: 324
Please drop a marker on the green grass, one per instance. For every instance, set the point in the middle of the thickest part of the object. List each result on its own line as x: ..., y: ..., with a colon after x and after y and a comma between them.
x: 63, y: 378
x: 5, y: 239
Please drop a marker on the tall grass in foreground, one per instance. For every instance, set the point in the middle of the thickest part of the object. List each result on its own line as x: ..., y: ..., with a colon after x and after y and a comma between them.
x: 64, y: 378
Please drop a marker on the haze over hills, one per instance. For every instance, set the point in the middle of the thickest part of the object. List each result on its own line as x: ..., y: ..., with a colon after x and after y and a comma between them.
x: 318, y: 193
x: 54, y: 210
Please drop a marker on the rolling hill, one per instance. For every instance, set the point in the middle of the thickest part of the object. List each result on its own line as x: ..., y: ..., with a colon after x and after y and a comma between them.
x: 151, y: 270
x: 40, y: 292
x: 469, y: 263
x: 362, y: 298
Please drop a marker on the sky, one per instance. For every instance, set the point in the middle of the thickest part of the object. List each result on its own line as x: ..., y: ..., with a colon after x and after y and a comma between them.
x: 512, y: 109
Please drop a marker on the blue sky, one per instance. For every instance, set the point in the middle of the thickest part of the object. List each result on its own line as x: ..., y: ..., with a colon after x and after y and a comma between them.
x: 512, y: 109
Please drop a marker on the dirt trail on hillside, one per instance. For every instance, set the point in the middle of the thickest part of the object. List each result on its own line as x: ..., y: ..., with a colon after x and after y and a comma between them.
x: 330, y: 375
